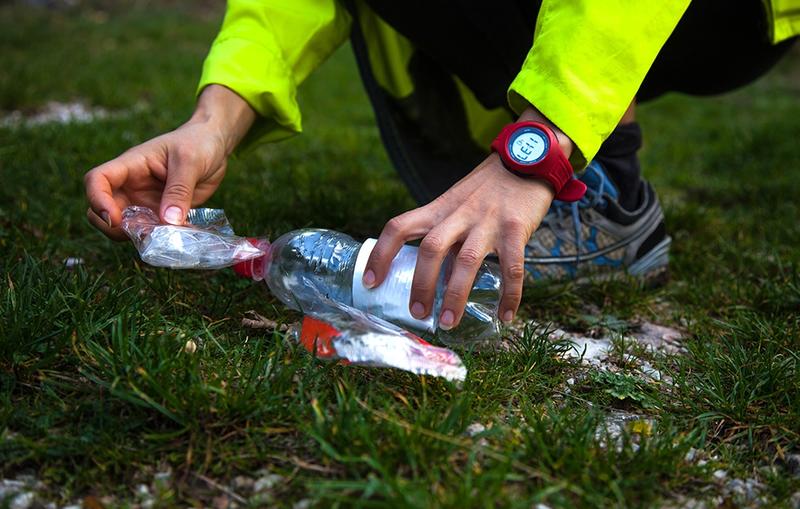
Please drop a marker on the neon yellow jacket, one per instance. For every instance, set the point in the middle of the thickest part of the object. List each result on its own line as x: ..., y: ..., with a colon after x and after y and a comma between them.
x: 589, y: 59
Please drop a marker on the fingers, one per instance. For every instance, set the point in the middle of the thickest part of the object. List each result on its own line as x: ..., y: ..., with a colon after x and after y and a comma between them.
x: 466, y: 264
x: 512, y: 264
x: 433, y: 249
x: 399, y: 230
x: 99, y: 184
x: 183, y: 164
x: 113, y: 233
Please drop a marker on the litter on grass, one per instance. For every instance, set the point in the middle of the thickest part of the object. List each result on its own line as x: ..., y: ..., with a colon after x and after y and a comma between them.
x: 331, y: 330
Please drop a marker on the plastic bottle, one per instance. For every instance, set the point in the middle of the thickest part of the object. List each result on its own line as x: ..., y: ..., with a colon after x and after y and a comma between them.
x: 302, y: 263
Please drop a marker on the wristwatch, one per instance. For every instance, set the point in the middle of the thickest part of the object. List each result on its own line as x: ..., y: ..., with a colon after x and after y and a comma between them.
x: 530, y: 150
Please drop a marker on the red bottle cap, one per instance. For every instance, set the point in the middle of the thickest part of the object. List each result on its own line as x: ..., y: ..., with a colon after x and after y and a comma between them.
x: 255, y: 268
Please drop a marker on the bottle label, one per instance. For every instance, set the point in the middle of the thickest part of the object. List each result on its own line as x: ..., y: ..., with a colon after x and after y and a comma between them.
x: 390, y: 300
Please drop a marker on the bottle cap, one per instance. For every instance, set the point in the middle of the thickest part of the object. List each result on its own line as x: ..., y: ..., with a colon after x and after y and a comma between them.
x: 254, y: 268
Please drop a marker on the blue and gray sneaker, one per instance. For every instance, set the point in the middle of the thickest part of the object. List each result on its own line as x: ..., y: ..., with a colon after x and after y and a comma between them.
x: 597, y: 237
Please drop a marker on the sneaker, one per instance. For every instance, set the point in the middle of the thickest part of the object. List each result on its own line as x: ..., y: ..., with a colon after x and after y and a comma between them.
x: 597, y: 237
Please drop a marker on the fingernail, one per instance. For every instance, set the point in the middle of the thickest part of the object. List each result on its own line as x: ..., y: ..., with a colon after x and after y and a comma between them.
x: 369, y: 278
x: 508, y: 316
x: 447, y: 319
x: 418, y: 310
x: 106, y: 218
x: 173, y: 215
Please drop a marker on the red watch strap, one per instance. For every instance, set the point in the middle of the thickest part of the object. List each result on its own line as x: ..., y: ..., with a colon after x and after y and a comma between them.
x: 554, y: 168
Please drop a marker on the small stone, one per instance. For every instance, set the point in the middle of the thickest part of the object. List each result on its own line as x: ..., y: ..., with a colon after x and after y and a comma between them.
x: 691, y: 454
x: 241, y: 482
x: 720, y: 475
x: 744, y: 490
x: 162, y: 477
x: 190, y: 347
x: 22, y: 500
x: 267, y: 482
x: 302, y: 504
x: 570, y: 381
x: 736, y: 487
x: 9, y: 486
x: 72, y: 262
x: 475, y: 428
x: 793, y: 464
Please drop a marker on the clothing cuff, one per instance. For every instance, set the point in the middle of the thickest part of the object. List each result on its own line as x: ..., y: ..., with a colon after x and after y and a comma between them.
x: 529, y: 89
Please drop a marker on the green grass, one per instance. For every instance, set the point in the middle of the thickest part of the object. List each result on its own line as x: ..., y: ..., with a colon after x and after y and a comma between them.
x: 97, y: 393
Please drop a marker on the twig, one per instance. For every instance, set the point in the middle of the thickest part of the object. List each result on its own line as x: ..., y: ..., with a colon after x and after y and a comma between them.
x: 305, y: 465
x: 224, y: 489
x: 253, y: 320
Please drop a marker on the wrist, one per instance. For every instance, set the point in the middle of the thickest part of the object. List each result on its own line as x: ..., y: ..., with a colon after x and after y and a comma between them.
x: 225, y: 112
x: 541, y: 188
x: 564, y: 141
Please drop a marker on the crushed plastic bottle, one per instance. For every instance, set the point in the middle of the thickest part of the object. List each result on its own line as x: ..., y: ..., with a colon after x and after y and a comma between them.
x: 207, y: 240
x: 333, y: 264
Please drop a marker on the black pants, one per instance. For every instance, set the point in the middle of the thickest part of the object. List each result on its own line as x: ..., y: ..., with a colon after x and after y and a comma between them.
x: 717, y: 46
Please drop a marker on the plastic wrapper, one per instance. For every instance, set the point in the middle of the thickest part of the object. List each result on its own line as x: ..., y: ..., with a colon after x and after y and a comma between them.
x: 207, y: 240
x: 332, y: 330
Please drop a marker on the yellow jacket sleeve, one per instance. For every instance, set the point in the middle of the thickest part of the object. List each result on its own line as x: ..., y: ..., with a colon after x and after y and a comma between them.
x: 265, y: 49
x: 587, y: 62
x: 784, y: 19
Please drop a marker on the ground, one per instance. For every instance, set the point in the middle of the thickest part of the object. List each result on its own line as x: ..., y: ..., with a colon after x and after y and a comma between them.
x: 121, y: 384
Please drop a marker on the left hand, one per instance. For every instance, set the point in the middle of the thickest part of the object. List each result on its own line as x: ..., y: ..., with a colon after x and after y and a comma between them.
x: 489, y: 211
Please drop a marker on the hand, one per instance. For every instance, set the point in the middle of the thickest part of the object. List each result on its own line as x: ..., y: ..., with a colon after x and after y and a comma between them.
x: 489, y: 211
x: 172, y: 172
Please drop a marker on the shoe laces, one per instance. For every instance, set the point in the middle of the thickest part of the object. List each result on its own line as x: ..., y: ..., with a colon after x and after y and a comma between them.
x: 595, y: 196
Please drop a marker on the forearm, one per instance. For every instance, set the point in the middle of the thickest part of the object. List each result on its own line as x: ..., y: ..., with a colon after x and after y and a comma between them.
x: 227, y: 112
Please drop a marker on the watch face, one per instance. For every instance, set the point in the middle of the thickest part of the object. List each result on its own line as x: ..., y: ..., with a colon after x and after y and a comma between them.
x: 528, y: 145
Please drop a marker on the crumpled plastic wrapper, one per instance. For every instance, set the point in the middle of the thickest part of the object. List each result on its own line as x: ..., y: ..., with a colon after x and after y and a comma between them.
x: 206, y: 241
x: 331, y: 330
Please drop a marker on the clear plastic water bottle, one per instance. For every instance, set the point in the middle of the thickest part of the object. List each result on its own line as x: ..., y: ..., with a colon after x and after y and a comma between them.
x: 302, y: 263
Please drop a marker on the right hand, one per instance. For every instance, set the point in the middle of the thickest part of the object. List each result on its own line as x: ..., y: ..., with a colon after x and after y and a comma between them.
x: 173, y: 172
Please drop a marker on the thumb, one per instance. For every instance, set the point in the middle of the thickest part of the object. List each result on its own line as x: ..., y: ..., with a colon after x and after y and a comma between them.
x: 176, y: 199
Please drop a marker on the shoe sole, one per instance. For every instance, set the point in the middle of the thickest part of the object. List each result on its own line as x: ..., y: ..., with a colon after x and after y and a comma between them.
x: 652, y: 270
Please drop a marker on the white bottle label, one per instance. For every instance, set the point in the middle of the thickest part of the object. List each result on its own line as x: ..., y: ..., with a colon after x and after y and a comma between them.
x: 390, y: 300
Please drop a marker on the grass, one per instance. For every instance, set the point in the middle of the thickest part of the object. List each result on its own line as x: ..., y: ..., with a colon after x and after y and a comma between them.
x: 98, y: 394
